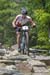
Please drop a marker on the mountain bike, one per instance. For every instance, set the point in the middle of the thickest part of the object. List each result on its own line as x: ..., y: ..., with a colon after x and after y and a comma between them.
x: 24, y: 46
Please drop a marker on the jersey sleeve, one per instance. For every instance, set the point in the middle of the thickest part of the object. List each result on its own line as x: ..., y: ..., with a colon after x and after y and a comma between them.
x: 17, y: 17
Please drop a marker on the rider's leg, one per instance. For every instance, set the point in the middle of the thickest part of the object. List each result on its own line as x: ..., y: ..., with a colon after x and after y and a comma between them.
x: 18, y: 39
x: 27, y: 42
x: 27, y: 38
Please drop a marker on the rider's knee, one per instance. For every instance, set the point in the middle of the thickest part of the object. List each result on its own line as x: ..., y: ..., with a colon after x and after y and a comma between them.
x: 18, y: 35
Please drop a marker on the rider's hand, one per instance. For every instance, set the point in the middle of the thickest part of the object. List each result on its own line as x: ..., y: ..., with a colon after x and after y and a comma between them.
x: 15, y: 27
x: 34, y: 25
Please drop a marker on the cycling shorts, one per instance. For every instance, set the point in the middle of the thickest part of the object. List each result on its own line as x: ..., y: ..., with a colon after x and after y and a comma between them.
x: 18, y: 29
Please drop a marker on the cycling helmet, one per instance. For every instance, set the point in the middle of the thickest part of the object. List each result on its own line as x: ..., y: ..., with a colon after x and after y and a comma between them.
x: 23, y: 11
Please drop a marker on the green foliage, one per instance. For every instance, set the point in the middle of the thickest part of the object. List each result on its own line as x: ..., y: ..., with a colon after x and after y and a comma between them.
x: 44, y: 47
x: 42, y: 19
x: 1, y: 28
x: 48, y: 6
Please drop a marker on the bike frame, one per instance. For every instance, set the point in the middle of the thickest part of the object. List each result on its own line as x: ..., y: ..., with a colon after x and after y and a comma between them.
x: 23, y: 41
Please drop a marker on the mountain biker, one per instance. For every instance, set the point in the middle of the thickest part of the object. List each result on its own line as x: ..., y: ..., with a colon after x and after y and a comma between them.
x: 20, y: 20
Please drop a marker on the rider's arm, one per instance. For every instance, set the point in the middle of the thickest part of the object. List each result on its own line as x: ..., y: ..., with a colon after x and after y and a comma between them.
x: 14, y: 21
x: 32, y: 22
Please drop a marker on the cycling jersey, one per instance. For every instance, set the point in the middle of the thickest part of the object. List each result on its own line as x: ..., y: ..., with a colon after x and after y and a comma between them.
x: 21, y: 21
